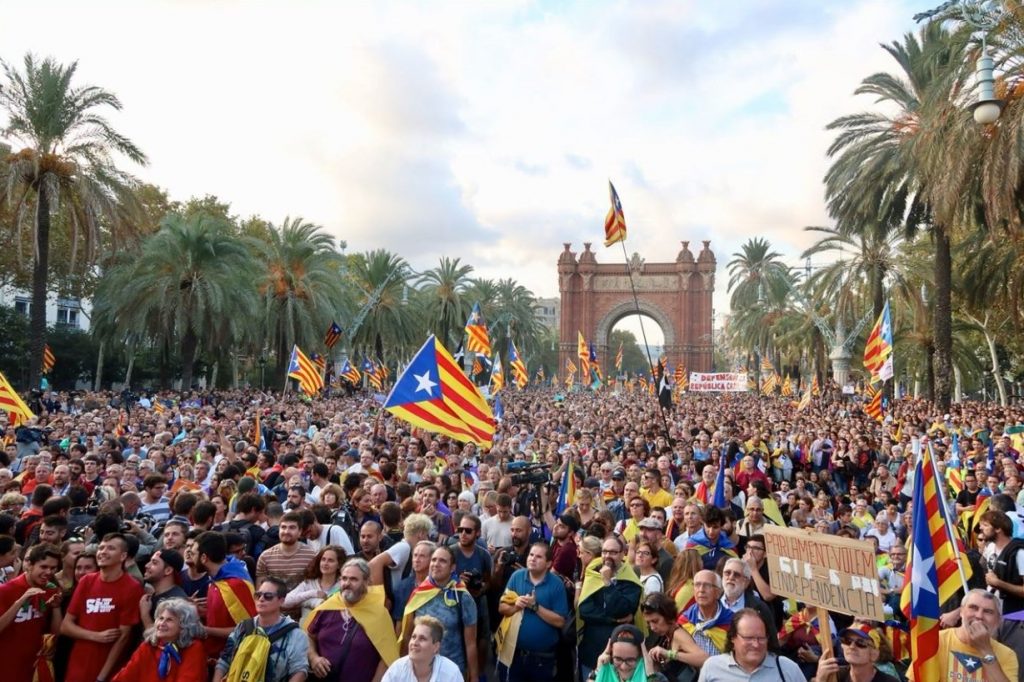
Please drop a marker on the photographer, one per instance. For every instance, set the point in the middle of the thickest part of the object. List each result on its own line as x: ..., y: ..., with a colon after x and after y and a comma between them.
x: 473, y: 566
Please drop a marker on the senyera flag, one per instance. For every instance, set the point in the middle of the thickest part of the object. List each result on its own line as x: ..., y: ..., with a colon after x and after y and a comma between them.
x: 433, y: 393
x: 615, y: 221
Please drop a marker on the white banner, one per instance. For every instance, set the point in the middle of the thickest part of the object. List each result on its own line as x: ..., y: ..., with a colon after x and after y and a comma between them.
x: 721, y: 382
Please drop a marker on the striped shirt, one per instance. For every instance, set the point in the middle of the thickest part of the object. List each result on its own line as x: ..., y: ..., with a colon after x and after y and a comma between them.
x: 291, y: 569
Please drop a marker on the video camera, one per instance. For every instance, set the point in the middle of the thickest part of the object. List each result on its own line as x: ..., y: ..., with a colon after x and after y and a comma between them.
x: 523, y: 473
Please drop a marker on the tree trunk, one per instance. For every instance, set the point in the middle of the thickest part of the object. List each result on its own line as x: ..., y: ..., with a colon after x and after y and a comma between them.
x: 930, y: 371
x: 131, y: 366
x: 943, y: 371
x: 165, y: 364
x: 98, y: 381
x: 189, y: 345
x: 958, y: 384
x: 213, y: 376
x: 40, y: 273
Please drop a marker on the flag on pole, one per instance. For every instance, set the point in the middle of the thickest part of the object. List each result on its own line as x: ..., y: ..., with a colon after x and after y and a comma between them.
x: 49, y: 359
x: 11, y: 403
x: 873, y: 408
x: 615, y: 221
x: 540, y: 375
x: 922, y: 588
x: 787, y: 387
x: 305, y: 372
x: 519, y: 373
x: 351, y: 373
x: 320, y: 362
x: 333, y: 335
x: 805, y: 400
x: 567, y: 491
x: 499, y: 409
x: 583, y: 353
x: 497, y: 374
x: 370, y: 370
x: 618, y: 358
x: 434, y: 393
x: 479, y: 340
x: 815, y: 388
x: 878, y: 347
x: 570, y: 367
x: 768, y: 378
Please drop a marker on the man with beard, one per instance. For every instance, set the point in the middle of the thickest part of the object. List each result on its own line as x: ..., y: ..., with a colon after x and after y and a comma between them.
x: 510, y: 559
x: 738, y: 593
x: 566, y: 558
x: 29, y: 609
x: 161, y: 573
x: 609, y: 596
x: 351, y: 630
x: 1005, y: 576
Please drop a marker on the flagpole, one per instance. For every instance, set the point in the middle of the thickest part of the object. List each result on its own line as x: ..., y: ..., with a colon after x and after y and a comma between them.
x: 643, y: 333
x: 940, y: 483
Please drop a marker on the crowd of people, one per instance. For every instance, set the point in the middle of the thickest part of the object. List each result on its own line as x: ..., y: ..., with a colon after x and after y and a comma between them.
x: 243, y: 535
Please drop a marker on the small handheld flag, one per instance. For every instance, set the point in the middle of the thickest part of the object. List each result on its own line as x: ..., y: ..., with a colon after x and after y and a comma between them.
x: 519, y: 373
x: 567, y: 491
x: 11, y: 403
x: 49, y: 359
x: 719, y: 500
x: 333, y: 335
x: 497, y: 374
x: 302, y: 369
x: 479, y: 340
x: 618, y: 358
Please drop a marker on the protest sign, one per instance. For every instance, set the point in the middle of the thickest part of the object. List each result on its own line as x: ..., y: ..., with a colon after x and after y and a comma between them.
x: 722, y: 382
x: 838, y: 574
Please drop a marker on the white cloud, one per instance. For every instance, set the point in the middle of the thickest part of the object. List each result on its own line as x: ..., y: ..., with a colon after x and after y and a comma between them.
x: 486, y: 130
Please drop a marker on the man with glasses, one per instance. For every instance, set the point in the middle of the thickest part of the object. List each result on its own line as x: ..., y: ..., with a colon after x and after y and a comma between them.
x: 473, y: 565
x: 541, y: 598
x: 707, y: 621
x: 609, y: 596
x: 738, y: 593
x: 747, y: 655
x: 287, y: 659
x: 861, y: 652
x: 652, y: 491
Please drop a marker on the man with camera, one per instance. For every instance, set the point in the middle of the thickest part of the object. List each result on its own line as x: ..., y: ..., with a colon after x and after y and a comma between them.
x: 473, y: 565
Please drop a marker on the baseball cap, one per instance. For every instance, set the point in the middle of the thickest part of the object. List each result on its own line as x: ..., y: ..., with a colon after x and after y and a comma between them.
x: 868, y: 634
x: 619, y: 475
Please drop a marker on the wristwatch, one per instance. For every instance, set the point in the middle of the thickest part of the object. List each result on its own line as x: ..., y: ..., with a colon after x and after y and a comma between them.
x: 991, y: 658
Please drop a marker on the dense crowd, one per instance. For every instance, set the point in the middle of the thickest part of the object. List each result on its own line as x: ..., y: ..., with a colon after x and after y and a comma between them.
x: 245, y: 536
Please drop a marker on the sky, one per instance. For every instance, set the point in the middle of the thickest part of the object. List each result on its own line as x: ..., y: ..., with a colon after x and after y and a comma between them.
x: 487, y: 130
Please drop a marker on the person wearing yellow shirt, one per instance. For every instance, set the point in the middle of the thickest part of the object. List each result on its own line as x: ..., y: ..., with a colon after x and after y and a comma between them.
x: 652, y: 491
x: 969, y: 653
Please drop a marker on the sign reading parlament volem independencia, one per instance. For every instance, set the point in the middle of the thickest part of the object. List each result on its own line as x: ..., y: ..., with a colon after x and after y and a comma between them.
x: 835, y: 573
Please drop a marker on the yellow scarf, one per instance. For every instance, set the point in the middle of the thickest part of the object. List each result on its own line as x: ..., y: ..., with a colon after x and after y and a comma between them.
x: 371, y: 615
x: 454, y: 591
x: 592, y: 582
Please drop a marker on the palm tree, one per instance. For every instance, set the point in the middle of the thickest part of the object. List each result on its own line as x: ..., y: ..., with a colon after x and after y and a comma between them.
x: 301, y: 286
x: 193, y: 284
x: 756, y: 273
x: 446, y: 307
x: 380, y: 281
x: 66, y: 161
x: 887, y: 172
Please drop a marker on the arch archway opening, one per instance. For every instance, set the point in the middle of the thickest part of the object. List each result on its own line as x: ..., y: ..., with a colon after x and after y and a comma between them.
x: 628, y: 331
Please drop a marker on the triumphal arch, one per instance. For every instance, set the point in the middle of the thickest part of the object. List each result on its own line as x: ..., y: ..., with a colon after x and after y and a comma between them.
x: 677, y: 295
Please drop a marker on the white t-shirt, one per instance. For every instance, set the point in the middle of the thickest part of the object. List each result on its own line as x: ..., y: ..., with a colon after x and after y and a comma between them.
x: 400, y: 554
x: 332, y: 535
x: 497, y: 533
x: 444, y: 670
x: 885, y: 541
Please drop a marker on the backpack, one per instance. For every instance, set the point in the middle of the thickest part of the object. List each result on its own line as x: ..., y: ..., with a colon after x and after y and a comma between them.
x: 249, y: 663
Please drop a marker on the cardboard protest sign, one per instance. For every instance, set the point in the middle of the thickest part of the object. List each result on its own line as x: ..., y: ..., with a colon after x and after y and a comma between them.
x: 838, y: 574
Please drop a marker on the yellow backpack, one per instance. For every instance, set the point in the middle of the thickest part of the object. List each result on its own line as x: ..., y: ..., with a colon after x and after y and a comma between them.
x: 250, y: 661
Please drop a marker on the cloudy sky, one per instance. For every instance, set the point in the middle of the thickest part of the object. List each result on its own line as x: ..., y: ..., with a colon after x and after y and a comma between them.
x: 486, y: 130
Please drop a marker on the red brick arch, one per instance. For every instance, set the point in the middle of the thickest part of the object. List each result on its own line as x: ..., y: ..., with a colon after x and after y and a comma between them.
x: 677, y: 295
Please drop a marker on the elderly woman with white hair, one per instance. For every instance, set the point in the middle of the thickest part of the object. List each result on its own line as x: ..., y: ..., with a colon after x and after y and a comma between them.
x: 172, y: 650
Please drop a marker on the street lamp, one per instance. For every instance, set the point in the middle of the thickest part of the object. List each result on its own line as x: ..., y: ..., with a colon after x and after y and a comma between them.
x: 987, y: 108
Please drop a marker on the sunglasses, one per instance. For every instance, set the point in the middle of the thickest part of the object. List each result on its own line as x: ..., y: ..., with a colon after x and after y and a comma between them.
x: 855, y: 642
x: 466, y: 530
x: 260, y: 596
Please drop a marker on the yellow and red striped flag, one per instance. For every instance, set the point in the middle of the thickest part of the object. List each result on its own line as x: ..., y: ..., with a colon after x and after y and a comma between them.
x: 519, y: 373
x: 302, y: 369
x: 497, y: 374
x: 49, y: 359
x: 434, y: 393
x: 583, y: 353
x: 805, y: 400
x: 873, y: 408
x: 476, y: 329
x: 618, y: 358
x: 333, y: 335
x: 11, y: 403
x: 878, y: 347
x: 615, y: 221
x: 351, y: 372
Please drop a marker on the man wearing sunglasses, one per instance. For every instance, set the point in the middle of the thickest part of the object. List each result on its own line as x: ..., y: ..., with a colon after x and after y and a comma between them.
x: 861, y: 652
x: 287, y: 659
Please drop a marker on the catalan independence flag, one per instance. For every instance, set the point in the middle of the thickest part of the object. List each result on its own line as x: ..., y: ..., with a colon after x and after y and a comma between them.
x: 434, y: 393
x: 305, y: 371
x: 351, y: 372
x: 805, y: 400
x: 878, y: 347
x: 873, y: 408
x: 497, y: 374
x: 49, y: 359
x: 583, y: 353
x: 232, y: 601
x: 11, y: 403
x: 476, y: 329
x: 567, y: 491
x: 372, y: 373
x: 931, y: 552
x: 618, y: 358
x: 333, y: 335
x: 515, y: 361
x: 615, y: 221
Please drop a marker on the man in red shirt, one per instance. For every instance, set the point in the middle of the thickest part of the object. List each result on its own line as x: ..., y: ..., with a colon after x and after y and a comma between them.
x: 103, y: 611
x: 29, y: 609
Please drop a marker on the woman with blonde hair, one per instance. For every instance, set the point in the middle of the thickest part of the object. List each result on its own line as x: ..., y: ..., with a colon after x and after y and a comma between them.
x: 680, y: 580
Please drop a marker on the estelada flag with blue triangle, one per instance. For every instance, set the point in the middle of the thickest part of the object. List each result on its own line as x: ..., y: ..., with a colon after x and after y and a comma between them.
x: 434, y: 393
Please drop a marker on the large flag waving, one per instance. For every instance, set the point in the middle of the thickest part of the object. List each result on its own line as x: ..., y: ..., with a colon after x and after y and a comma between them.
x: 615, y: 221
x: 434, y: 393
x: 305, y: 372
x: 879, y: 347
x: 350, y: 372
x: 497, y: 374
x: 479, y: 340
x: 719, y: 499
x: 519, y: 374
x: 567, y: 491
x: 11, y: 403
x: 583, y: 353
x: 923, y: 586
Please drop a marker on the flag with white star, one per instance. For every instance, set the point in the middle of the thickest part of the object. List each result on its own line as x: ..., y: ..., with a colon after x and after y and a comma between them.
x: 924, y: 579
x: 434, y: 393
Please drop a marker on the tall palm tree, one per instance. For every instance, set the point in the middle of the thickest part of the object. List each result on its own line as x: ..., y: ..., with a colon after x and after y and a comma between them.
x: 756, y: 273
x: 301, y: 286
x: 67, y: 162
x: 446, y: 307
x: 886, y: 172
x: 380, y: 281
x: 193, y: 284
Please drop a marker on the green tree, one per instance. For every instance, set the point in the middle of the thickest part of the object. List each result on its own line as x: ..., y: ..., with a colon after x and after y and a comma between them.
x: 386, y: 320
x: 66, y: 161
x: 634, y: 359
x: 446, y: 308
